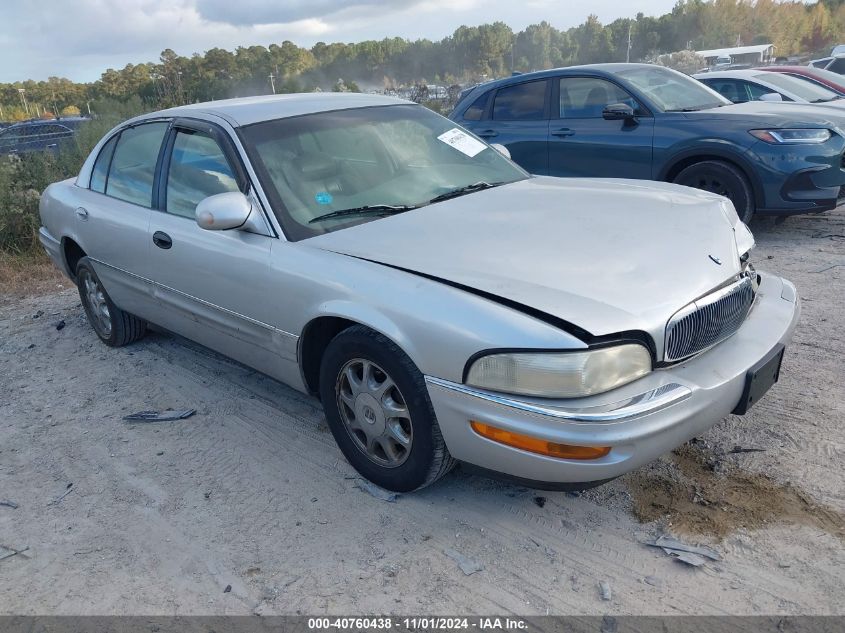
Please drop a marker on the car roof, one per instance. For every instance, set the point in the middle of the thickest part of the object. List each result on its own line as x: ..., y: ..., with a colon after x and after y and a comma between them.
x: 745, y: 73
x: 248, y: 110
x: 607, y: 69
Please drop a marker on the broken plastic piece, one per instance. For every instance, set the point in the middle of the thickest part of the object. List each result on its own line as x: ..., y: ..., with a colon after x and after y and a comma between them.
x: 159, y: 416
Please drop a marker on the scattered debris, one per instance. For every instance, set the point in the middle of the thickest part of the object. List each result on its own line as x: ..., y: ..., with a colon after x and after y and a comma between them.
x: 67, y: 491
x: 160, y: 453
x: 159, y: 416
x: 12, y: 551
x: 740, y: 449
x: 30, y: 346
x: 604, y: 589
x: 9, y: 504
x: 654, y: 581
x: 207, y: 495
x: 38, y: 314
x: 228, y: 589
x: 60, y: 325
x: 376, y: 491
x: 539, y: 501
x: 609, y: 624
x: 695, y: 560
x: 670, y: 545
x: 467, y: 565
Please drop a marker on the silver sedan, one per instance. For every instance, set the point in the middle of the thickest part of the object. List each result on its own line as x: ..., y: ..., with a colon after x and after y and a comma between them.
x: 443, y: 304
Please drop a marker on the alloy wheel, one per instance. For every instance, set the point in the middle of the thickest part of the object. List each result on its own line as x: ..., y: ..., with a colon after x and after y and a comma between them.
x: 374, y: 412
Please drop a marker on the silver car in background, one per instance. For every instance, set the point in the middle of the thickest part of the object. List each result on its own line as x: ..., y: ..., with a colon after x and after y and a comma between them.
x: 443, y: 304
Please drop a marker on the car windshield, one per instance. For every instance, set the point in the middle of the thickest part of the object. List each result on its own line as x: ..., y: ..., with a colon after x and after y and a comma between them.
x: 800, y: 88
x: 672, y: 91
x: 827, y: 75
x: 330, y: 170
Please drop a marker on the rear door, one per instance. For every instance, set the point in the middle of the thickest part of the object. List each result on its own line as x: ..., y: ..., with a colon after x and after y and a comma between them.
x: 583, y: 144
x: 517, y: 116
x: 208, y: 284
x: 113, y: 213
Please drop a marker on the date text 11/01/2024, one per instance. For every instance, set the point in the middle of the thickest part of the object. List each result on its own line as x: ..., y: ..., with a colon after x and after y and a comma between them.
x: 422, y: 623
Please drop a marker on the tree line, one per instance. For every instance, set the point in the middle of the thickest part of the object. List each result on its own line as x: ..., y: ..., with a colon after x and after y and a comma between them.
x: 470, y: 54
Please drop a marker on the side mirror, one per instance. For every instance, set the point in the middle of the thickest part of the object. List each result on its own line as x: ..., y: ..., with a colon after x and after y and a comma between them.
x: 618, y: 112
x: 771, y: 96
x: 501, y: 149
x: 223, y: 211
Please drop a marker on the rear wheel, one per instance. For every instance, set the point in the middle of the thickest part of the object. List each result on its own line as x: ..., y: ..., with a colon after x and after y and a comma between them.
x: 724, y: 179
x: 379, y: 412
x: 114, y: 326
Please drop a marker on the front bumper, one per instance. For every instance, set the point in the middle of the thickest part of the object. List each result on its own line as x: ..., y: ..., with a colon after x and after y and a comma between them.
x: 800, y: 178
x: 640, y: 421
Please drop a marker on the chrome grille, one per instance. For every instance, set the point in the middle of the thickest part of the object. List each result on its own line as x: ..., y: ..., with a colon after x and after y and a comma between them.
x: 709, y: 320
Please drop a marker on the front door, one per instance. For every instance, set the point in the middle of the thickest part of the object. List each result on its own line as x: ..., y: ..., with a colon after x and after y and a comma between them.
x: 210, y: 283
x: 583, y: 144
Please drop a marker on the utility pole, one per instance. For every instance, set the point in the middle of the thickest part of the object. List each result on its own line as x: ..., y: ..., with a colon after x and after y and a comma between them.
x: 628, y: 54
x: 22, y: 93
x: 272, y: 83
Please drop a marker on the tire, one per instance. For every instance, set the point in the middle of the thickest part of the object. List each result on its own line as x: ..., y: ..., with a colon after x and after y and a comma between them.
x: 723, y: 178
x: 397, y: 443
x: 115, y: 327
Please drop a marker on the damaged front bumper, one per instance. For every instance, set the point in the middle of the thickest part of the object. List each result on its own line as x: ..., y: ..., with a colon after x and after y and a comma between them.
x: 639, y: 421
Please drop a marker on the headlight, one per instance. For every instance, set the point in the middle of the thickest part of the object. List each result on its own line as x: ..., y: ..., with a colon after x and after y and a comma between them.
x: 561, y: 374
x: 792, y: 137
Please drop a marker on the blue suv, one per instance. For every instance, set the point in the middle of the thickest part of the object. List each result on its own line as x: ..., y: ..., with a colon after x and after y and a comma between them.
x: 652, y: 123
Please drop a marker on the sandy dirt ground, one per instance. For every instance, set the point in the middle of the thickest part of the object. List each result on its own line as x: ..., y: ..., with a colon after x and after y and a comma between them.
x: 248, y: 506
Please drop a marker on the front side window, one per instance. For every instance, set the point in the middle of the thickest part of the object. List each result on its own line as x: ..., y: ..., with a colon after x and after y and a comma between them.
x: 522, y: 102
x: 587, y: 97
x: 133, y: 165
x: 730, y: 89
x: 392, y: 158
x: 198, y: 169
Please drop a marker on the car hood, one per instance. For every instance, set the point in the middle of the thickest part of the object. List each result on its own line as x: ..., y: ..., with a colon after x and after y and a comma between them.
x: 604, y: 255
x: 763, y: 114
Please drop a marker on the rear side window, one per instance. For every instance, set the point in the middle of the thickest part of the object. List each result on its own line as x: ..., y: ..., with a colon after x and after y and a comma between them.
x: 101, y: 166
x: 133, y: 166
x: 522, y: 102
x: 476, y: 110
x: 198, y: 169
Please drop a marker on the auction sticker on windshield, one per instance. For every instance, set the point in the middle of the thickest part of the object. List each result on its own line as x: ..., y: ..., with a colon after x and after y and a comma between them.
x: 462, y: 142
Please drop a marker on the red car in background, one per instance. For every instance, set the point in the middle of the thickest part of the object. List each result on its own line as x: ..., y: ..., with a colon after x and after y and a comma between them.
x: 828, y: 79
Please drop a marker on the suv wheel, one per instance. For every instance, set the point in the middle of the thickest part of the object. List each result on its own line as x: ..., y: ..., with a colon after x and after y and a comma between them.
x: 724, y: 179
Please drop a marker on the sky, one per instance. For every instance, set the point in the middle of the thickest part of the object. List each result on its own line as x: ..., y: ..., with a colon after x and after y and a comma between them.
x: 81, y: 39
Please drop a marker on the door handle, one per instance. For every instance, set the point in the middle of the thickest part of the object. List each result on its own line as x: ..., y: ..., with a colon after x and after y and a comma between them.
x: 564, y: 131
x: 52, y: 145
x: 488, y: 134
x: 162, y: 240
x: 82, y: 212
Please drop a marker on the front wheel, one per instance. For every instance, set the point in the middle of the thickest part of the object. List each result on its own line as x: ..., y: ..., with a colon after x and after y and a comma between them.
x: 114, y: 326
x: 379, y: 412
x: 724, y: 179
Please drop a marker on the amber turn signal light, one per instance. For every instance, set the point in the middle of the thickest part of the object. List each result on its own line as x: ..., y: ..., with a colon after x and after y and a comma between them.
x: 536, y: 445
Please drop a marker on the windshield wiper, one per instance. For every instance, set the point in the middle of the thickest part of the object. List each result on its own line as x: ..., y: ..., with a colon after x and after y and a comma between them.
x: 378, y: 209
x: 461, y: 191
x: 706, y: 106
